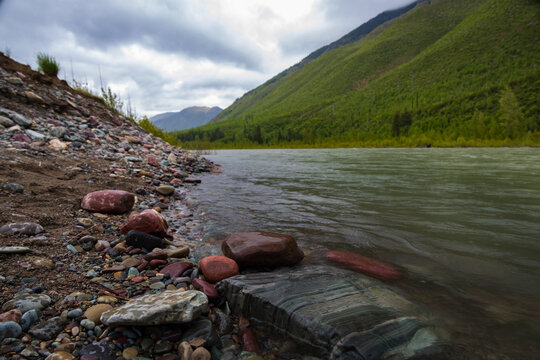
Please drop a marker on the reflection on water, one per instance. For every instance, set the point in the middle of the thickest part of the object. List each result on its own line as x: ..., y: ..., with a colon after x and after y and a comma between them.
x: 463, y: 223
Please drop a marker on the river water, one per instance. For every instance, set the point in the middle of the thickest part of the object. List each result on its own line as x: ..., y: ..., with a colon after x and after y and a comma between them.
x: 463, y: 224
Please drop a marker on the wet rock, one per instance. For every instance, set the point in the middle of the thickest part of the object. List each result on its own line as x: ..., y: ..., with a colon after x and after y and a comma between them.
x: 162, y: 347
x: 11, y: 315
x: 9, y: 329
x: 24, y: 228
x: 94, y: 313
x: 13, y: 188
x: 201, y: 328
x: 222, y: 322
x: 191, y: 180
x: 28, y: 319
x: 364, y: 265
x: 176, y: 269
x: 185, y: 350
x: 201, y: 354
x: 140, y: 239
x: 179, y: 253
x: 60, y: 355
x: 88, y: 324
x: 75, y: 313
x: 207, y: 288
x: 165, y: 190
x: 26, y: 302
x: 249, y: 341
x: 14, y: 250
x: 48, y: 329
x: 167, y: 307
x: 148, y: 221
x: 259, y: 248
x: 130, y: 353
x: 217, y: 268
x: 98, y: 351
x: 108, y: 201
x: 334, y: 313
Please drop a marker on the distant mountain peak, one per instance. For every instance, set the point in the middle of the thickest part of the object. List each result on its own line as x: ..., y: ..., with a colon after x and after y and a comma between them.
x: 187, y: 118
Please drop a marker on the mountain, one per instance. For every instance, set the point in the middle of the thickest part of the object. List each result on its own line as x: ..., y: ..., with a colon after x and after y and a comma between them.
x: 185, y: 119
x: 445, y: 72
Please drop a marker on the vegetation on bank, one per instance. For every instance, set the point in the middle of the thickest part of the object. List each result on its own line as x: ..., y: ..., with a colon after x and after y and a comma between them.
x: 47, y: 64
x: 448, y: 73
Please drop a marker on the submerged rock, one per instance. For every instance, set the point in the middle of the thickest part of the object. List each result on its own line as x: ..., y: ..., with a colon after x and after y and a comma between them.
x: 257, y: 248
x: 334, y: 313
x: 108, y: 201
x: 364, y: 265
x: 167, y: 307
x: 217, y: 268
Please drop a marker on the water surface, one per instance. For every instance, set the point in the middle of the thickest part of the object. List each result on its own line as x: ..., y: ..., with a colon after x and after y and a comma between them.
x: 464, y: 224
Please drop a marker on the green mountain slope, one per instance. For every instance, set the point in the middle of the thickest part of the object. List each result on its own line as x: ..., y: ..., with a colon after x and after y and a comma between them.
x: 449, y: 72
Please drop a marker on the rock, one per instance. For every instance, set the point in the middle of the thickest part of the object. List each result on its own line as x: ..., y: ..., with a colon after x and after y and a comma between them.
x: 102, y: 244
x: 201, y: 328
x: 172, y: 158
x: 108, y: 201
x: 58, y: 132
x: 10, y: 329
x: 259, y: 248
x: 98, y: 351
x: 20, y: 120
x: 162, y: 347
x: 130, y: 353
x: 156, y: 254
x: 75, y: 313
x: 88, y: 324
x: 148, y: 221
x: 14, y: 250
x: 28, y: 319
x: 249, y: 341
x: 165, y: 190
x: 13, y: 188
x: 217, y: 268
x: 94, y: 313
x: 21, y: 138
x: 57, y: 145
x: 185, y: 350
x: 176, y: 269
x: 34, y: 97
x: 35, y: 135
x: 43, y: 263
x: 222, y: 322
x: 207, y: 288
x: 26, y: 302
x: 106, y: 300
x: 60, y: 355
x: 201, y: 354
x: 179, y: 253
x: 167, y: 307
x: 191, y: 180
x: 333, y: 313
x: 11, y: 315
x: 364, y: 265
x: 131, y: 262
x: 48, y: 329
x: 25, y: 228
x: 140, y: 239
x: 152, y: 161
x: 6, y: 122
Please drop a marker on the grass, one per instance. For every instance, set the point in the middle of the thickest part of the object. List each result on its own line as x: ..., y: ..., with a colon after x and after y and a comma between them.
x: 467, y: 72
x: 47, y: 64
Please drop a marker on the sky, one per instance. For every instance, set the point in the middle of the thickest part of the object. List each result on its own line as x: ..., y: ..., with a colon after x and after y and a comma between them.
x: 165, y: 55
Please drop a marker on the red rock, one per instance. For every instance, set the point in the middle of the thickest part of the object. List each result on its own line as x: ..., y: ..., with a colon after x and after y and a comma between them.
x: 137, y: 279
x: 176, y: 269
x: 217, y: 268
x: 207, y: 288
x: 152, y: 161
x: 148, y: 221
x: 11, y: 315
x: 108, y: 201
x: 143, y: 265
x: 157, y: 262
x: 371, y: 267
x: 249, y: 341
x: 257, y: 248
x: 21, y: 138
x: 156, y: 254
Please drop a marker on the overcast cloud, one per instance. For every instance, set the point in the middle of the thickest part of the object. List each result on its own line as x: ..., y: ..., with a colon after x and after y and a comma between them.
x: 168, y: 55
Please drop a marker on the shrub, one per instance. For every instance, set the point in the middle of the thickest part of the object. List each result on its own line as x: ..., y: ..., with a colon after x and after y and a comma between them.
x: 47, y: 64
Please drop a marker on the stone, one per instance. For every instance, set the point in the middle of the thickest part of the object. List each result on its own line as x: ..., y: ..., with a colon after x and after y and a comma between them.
x: 34, y: 97
x: 207, y: 288
x: 26, y: 302
x: 106, y: 300
x: 259, y: 248
x: 202, y: 329
x: 222, y: 322
x: 94, y: 313
x: 10, y: 329
x: 11, y: 315
x: 167, y: 307
x: 130, y: 353
x: 249, y: 341
x: 75, y: 313
x: 162, y: 347
x: 60, y: 355
x: 13, y: 188
x: 333, y: 313
x: 176, y: 269
x: 201, y: 354
x: 102, y: 244
x: 108, y: 201
x: 152, y: 161
x: 131, y: 262
x: 88, y: 324
x: 14, y: 250
x: 6, y: 122
x: 48, y: 329
x: 20, y: 120
x: 191, y: 180
x: 43, y: 263
x: 364, y: 265
x: 172, y: 158
x: 156, y: 254
x: 57, y: 145
x: 58, y: 132
x: 140, y: 239
x: 34, y: 135
x: 165, y: 190
x: 28, y: 319
x: 98, y: 351
x: 21, y: 138
x: 179, y: 253
x: 24, y: 228
x: 217, y: 268
x: 185, y: 350
x: 148, y: 221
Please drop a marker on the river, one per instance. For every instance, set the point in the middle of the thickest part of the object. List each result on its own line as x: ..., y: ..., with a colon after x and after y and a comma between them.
x: 463, y: 224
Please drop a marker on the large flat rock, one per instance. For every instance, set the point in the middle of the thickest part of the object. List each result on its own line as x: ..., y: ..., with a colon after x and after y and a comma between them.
x: 332, y: 313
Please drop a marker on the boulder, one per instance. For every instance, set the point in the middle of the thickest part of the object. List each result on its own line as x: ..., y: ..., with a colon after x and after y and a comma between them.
x: 176, y: 269
x: 148, y: 221
x: 207, y: 288
x: 217, y: 268
x: 108, y: 201
x: 364, y: 265
x: 167, y: 307
x: 140, y: 239
x: 257, y: 248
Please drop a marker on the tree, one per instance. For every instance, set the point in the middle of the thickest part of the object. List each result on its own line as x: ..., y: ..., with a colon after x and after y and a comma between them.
x: 511, y: 114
